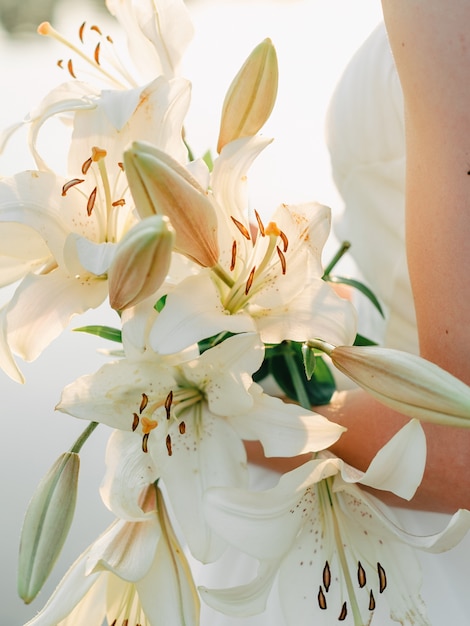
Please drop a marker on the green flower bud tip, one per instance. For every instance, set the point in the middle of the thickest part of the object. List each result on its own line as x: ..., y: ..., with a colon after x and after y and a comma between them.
x: 46, y: 524
x: 251, y: 95
x: 141, y: 262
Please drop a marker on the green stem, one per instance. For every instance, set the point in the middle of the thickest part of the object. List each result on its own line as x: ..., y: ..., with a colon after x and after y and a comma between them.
x: 341, y: 252
x: 299, y: 388
x: 77, y: 446
x: 222, y: 274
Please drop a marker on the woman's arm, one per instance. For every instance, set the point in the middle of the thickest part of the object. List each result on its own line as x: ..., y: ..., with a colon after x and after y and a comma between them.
x: 430, y: 40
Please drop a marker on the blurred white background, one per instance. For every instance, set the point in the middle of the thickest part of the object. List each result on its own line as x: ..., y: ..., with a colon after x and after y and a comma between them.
x: 314, y: 40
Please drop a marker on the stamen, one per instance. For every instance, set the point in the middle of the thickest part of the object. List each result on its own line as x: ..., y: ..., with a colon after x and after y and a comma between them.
x: 344, y: 612
x: 86, y: 166
x: 260, y: 224
x: 91, y: 202
x: 135, y: 422
x: 60, y: 63
x: 182, y: 428
x: 382, y: 577
x: 327, y: 576
x: 70, y: 68
x: 70, y: 184
x: 96, y: 29
x: 121, y: 165
x: 113, y: 622
x: 125, y: 622
x: 80, y: 31
x: 244, y: 231
x: 371, y: 601
x: 285, y: 241
x: 108, y: 38
x: 168, y: 445
x: 282, y: 258
x: 234, y: 256
x: 361, y: 575
x: 143, y: 403
x: 321, y: 599
x: 120, y: 202
x: 145, y: 439
x: 249, y: 282
x: 168, y: 403
x: 97, y: 53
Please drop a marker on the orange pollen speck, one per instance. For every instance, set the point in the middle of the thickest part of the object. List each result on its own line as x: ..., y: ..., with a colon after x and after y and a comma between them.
x: 91, y: 202
x: 120, y: 202
x: 97, y: 153
x: 70, y: 68
x: 148, y: 425
x: 70, y: 184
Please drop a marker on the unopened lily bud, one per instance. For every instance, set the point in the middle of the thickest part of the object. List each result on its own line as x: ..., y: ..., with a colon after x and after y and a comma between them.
x: 407, y: 383
x: 160, y: 185
x: 251, y: 95
x: 141, y: 262
x: 46, y: 524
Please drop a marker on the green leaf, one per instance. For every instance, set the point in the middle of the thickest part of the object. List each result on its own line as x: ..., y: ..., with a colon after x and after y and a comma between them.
x: 363, y: 341
x: 107, y: 332
x: 352, y: 282
x: 207, y: 158
x: 160, y: 303
x: 309, y: 360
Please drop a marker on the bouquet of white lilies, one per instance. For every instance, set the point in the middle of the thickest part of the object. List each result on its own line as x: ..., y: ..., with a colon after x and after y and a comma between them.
x: 210, y: 302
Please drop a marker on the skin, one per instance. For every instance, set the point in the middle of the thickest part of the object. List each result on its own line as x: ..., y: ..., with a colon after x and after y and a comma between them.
x: 431, y: 45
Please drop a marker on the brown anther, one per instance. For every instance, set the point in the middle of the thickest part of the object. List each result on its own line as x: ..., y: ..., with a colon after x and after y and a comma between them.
x: 321, y: 599
x: 96, y: 29
x: 125, y: 622
x: 113, y: 623
x: 244, y: 231
x: 91, y: 202
x: 97, y: 154
x: 135, y: 422
x: 361, y: 575
x: 282, y: 258
x: 326, y: 576
x: 382, y: 578
x: 97, y: 53
x: 145, y: 439
x: 121, y: 165
x: 168, y: 445
x: 234, y: 255
x: 344, y: 612
x: 108, y: 38
x: 371, y: 601
x: 260, y: 224
x: 285, y: 241
x: 60, y: 63
x: 70, y: 68
x: 80, y: 31
x: 143, y: 403
x: 182, y: 428
x: 86, y: 165
x: 120, y: 202
x: 71, y: 183
x: 249, y: 282
x: 168, y: 403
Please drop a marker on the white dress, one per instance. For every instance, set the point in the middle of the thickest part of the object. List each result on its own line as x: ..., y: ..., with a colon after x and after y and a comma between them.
x: 365, y: 136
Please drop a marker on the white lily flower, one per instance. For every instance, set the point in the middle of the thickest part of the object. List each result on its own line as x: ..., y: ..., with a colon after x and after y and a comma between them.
x: 185, y: 423
x: 135, y: 573
x: 335, y: 549
x: 272, y: 285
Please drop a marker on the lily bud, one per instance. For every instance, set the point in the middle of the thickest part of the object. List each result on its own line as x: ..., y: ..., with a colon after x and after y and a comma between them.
x: 141, y: 262
x: 46, y: 524
x: 160, y: 185
x: 407, y: 383
x: 251, y: 95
